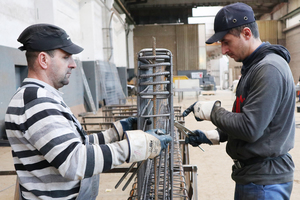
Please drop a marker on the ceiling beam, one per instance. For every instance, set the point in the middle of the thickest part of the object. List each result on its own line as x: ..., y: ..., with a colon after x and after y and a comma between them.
x: 193, y: 3
x: 173, y: 11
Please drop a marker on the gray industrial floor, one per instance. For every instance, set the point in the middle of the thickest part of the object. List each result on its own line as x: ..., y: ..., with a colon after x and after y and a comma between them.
x: 214, y: 166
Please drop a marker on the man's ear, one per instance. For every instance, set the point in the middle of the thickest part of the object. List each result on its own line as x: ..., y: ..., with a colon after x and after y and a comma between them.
x: 43, y: 59
x: 246, y: 33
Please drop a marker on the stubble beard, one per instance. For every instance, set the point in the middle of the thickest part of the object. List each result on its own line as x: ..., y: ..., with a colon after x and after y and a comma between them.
x: 66, y: 80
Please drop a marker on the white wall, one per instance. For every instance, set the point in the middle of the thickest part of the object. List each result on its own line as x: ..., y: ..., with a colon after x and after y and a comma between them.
x: 214, y: 70
x: 130, y: 48
x: 293, y: 4
x: 92, y: 30
x: 205, y: 15
x: 15, y: 16
x: 86, y: 21
x: 119, y: 40
x: 224, y: 63
x: 187, y: 84
x: 217, y: 69
x: 202, y: 46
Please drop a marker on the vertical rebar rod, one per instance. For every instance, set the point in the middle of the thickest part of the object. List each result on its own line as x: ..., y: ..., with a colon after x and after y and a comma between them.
x: 154, y: 118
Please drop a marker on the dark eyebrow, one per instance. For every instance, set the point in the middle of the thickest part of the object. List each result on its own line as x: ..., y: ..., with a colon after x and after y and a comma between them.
x: 224, y: 40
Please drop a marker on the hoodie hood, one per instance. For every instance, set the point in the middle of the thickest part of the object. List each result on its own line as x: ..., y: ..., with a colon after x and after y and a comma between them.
x: 263, y: 50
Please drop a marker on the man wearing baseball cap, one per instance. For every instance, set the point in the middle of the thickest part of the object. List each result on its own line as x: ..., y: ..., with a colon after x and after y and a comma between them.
x: 53, y: 157
x: 260, y: 129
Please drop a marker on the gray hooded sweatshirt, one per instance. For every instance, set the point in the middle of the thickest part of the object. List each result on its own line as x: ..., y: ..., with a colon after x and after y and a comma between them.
x: 260, y: 129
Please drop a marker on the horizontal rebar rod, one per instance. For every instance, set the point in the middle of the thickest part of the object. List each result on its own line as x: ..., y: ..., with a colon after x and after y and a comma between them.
x: 146, y: 66
x: 155, y: 57
x: 154, y: 74
x: 154, y: 93
x: 155, y: 83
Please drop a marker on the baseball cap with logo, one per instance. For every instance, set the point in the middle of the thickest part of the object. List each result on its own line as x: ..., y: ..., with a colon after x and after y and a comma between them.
x: 231, y: 16
x: 46, y: 37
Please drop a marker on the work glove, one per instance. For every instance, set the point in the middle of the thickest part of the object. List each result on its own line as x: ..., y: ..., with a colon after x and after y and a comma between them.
x: 143, y: 145
x: 116, y: 133
x: 201, y: 109
x: 123, y: 125
x: 203, y: 137
x: 129, y: 123
x: 161, y: 135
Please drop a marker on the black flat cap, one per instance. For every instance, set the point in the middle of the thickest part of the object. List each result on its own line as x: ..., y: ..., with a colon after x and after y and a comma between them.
x: 46, y: 37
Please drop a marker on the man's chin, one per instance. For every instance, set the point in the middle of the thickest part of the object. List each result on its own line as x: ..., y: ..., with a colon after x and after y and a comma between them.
x: 65, y: 82
x: 236, y: 59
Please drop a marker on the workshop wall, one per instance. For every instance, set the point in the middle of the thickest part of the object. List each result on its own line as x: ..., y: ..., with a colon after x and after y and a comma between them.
x: 292, y: 44
x: 183, y: 40
x: 292, y: 31
x: 165, y: 36
x: 268, y: 31
x: 287, y: 16
x: 92, y: 24
x: 10, y: 58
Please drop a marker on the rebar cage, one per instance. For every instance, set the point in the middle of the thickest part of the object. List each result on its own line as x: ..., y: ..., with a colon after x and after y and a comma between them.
x: 161, y: 177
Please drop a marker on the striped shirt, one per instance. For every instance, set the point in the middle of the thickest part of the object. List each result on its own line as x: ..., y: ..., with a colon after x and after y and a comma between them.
x: 51, y: 153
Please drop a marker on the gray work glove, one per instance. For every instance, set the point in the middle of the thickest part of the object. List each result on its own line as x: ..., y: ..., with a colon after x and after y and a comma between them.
x: 203, y: 137
x: 201, y: 109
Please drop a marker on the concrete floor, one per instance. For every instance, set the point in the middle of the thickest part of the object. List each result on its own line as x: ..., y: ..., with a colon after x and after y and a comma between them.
x: 214, y: 166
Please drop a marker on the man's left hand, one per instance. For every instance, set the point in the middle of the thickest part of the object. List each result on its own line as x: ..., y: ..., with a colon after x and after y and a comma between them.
x: 123, y: 125
x: 129, y: 123
x: 201, y: 109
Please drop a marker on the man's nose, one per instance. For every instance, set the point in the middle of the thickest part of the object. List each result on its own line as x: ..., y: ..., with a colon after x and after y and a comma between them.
x: 72, y: 63
x: 224, y: 49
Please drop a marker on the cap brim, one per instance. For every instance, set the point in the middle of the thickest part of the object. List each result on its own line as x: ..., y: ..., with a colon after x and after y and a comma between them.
x: 72, y: 49
x: 216, y: 37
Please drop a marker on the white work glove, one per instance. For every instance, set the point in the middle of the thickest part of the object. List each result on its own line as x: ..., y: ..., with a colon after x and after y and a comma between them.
x: 211, y: 137
x: 143, y: 145
x: 201, y: 109
x: 117, y: 132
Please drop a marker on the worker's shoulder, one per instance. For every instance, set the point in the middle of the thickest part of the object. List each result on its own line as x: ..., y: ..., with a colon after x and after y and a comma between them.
x: 273, y: 65
x: 36, y: 93
x: 272, y: 62
x: 275, y: 60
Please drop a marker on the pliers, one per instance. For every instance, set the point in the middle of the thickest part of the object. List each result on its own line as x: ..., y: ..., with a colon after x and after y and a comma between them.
x: 185, y: 130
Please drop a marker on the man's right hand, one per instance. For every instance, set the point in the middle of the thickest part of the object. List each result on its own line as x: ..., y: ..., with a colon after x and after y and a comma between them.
x: 203, y: 137
x: 160, y: 134
x: 143, y: 145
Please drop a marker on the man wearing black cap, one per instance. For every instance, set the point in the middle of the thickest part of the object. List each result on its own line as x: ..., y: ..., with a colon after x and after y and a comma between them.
x: 261, y: 127
x: 53, y: 157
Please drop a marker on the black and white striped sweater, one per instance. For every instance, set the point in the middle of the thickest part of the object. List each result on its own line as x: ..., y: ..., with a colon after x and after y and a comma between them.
x: 51, y: 155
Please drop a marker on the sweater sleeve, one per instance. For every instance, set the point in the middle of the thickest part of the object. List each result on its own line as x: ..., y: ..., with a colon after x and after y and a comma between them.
x: 113, y: 134
x: 49, y: 128
x: 223, y: 135
x: 262, y: 102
